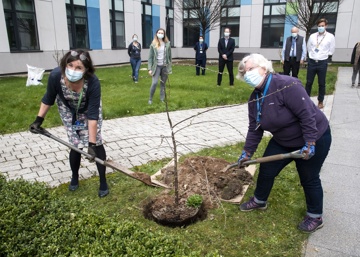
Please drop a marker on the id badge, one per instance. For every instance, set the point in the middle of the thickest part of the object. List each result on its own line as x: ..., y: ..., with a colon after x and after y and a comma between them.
x: 78, y: 125
x: 201, y: 52
x: 316, y: 50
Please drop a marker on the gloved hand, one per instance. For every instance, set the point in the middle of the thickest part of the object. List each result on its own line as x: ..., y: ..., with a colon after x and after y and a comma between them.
x: 91, y: 151
x: 35, y: 127
x: 245, y: 156
x: 308, y: 149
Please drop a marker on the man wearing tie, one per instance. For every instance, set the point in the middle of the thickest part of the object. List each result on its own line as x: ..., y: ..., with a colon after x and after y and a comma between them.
x: 293, y: 53
x: 226, y: 47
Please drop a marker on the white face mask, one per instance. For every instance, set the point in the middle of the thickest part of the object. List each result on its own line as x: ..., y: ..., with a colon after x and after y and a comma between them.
x: 161, y: 36
x: 253, y: 77
x: 226, y: 34
x: 135, y: 39
x: 201, y: 40
x: 321, y: 29
x: 73, y: 75
x: 294, y: 34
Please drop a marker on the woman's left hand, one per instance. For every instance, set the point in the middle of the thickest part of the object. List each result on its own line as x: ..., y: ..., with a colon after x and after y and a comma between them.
x: 309, y: 150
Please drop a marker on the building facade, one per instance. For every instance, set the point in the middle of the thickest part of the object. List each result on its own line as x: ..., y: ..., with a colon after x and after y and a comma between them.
x: 38, y: 32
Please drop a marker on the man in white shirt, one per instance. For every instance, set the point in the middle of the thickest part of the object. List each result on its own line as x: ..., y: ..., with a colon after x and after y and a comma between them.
x: 320, y: 46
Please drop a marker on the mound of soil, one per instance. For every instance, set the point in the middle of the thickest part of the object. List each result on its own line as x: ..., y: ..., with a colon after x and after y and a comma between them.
x: 204, y: 176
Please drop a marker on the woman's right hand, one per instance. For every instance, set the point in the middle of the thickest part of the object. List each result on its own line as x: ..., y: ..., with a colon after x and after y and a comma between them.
x: 150, y: 73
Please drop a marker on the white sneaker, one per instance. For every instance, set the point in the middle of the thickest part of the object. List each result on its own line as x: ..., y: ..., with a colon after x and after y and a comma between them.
x: 150, y: 102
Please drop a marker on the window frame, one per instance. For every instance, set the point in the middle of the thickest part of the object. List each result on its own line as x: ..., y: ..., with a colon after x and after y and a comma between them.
x: 13, y: 20
x: 73, y: 34
x: 113, y: 28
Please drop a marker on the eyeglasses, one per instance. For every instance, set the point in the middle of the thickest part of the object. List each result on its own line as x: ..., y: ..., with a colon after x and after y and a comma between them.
x: 81, y: 56
x: 251, y: 68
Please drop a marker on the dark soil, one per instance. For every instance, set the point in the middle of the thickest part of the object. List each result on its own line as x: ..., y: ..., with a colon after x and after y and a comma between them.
x: 197, y: 175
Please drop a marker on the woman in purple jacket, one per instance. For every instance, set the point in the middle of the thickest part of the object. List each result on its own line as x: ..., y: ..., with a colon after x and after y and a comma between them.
x: 279, y: 104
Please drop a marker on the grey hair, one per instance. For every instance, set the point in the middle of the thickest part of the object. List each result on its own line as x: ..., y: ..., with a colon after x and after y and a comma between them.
x: 256, y: 59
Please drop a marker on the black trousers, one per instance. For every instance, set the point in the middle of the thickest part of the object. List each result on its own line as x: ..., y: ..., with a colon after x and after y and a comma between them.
x: 200, y: 63
x: 292, y: 65
x: 229, y: 66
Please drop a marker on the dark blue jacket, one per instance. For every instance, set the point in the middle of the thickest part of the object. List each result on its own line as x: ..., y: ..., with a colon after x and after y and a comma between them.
x: 92, y: 95
x: 287, y: 113
x: 198, y: 48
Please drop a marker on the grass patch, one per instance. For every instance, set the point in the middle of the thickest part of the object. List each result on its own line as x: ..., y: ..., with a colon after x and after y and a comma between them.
x: 104, y: 224
x: 19, y: 104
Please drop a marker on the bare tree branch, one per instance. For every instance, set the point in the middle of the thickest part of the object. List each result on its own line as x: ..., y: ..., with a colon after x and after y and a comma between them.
x: 305, y: 13
x: 203, y: 14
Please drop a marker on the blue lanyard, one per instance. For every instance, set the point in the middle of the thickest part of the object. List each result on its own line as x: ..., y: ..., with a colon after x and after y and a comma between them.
x: 258, y: 104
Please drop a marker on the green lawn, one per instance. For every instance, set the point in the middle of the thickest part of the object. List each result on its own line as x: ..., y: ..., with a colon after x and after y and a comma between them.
x: 121, y: 97
x: 56, y: 222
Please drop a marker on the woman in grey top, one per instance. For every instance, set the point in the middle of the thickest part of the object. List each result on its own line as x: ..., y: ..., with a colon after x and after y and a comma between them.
x: 159, y: 63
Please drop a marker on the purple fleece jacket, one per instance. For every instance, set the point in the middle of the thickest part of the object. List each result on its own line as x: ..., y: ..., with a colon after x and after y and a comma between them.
x: 287, y: 113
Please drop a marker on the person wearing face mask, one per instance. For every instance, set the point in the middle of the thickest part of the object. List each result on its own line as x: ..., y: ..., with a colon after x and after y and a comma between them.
x: 320, y: 46
x: 226, y: 47
x: 280, y: 105
x: 200, y: 55
x: 355, y: 61
x: 159, y: 63
x: 293, y: 53
x: 134, y: 51
x: 76, y: 90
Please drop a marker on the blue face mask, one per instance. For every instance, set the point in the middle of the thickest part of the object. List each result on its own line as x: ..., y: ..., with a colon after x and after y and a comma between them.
x: 321, y: 29
x: 73, y: 75
x: 253, y: 77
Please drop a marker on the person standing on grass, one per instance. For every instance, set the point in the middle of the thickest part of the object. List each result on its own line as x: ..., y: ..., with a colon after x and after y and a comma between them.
x: 200, y: 55
x: 77, y: 93
x: 134, y: 51
x: 159, y: 63
x: 226, y: 47
x: 321, y: 45
x: 355, y: 61
x: 279, y: 104
x: 293, y: 53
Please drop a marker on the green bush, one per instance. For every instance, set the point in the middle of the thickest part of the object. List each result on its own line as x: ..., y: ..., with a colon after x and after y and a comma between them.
x: 194, y: 200
x: 36, y: 222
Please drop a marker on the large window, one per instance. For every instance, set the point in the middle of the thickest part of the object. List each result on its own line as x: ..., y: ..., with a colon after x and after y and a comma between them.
x: 146, y: 19
x: 191, y: 28
x: 117, y: 23
x: 230, y: 18
x: 330, y: 15
x: 273, y: 23
x: 170, y: 20
x: 77, y: 23
x: 21, y: 26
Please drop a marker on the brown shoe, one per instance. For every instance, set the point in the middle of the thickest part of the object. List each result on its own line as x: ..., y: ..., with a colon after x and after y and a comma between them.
x: 320, y: 105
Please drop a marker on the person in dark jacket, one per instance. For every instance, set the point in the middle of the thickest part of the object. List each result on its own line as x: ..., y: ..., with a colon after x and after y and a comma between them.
x: 77, y: 93
x: 280, y: 105
x: 355, y: 61
x: 200, y: 56
x: 134, y: 51
x: 293, y: 53
x: 226, y: 47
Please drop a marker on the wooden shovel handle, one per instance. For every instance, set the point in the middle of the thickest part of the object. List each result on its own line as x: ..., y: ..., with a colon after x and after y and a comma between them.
x: 276, y: 157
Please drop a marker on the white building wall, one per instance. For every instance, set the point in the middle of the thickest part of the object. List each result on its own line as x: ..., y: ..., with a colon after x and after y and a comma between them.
x: 4, y: 42
x: 53, y: 34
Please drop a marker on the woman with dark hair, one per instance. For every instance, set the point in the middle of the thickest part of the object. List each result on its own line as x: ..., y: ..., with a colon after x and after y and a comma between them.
x: 159, y: 63
x: 77, y: 93
x: 134, y: 51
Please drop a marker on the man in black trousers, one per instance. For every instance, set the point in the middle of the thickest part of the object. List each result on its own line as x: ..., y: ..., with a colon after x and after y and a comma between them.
x: 293, y: 53
x: 226, y: 47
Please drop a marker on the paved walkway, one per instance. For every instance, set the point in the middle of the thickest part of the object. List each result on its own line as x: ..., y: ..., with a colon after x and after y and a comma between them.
x: 137, y: 140
x: 341, y: 177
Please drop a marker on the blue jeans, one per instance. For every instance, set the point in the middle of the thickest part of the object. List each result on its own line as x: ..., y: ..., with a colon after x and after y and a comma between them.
x: 316, y: 68
x: 161, y: 71
x: 135, y: 65
x: 308, y: 170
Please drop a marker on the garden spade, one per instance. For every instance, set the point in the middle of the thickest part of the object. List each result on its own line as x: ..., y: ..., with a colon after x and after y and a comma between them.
x: 271, y: 158
x: 143, y: 177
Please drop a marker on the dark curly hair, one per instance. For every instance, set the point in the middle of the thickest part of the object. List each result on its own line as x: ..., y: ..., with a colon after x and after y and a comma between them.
x: 81, y: 55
